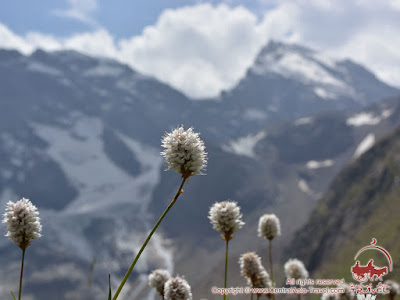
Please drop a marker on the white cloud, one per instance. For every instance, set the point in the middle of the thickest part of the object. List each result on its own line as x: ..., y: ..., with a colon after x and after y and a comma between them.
x: 42, y: 41
x: 79, y: 10
x: 99, y: 43
x: 203, y: 49
x: 9, y: 40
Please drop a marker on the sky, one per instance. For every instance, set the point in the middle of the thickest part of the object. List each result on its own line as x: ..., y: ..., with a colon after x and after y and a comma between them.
x: 204, y: 47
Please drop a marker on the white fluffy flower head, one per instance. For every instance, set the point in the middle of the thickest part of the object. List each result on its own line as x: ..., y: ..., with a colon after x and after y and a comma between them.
x: 295, y: 268
x: 157, y: 280
x: 269, y: 226
x: 347, y: 294
x: 249, y: 263
x: 177, y: 288
x: 329, y: 296
x: 365, y: 297
x: 23, y: 223
x: 252, y: 269
x: 226, y: 218
x: 394, y: 287
x: 184, y: 152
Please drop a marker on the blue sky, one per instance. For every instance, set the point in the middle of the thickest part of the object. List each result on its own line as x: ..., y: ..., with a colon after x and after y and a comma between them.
x: 122, y: 18
x: 210, y: 42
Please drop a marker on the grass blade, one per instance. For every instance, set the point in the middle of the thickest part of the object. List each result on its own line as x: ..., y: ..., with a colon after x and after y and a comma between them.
x: 13, y: 295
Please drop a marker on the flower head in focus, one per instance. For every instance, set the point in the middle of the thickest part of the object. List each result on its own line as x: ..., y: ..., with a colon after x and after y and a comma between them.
x: 226, y: 218
x: 177, y: 288
x: 184, y: 152
x: 23, y: 223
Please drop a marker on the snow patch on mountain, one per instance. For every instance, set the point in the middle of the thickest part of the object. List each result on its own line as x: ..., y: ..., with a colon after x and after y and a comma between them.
x: 295, y: 65
x: 313, y: 164
x: 147, y: 156
x: 252, y: 114
x: 363, y: 119
x: 105, y: 192
x: 324, y: 60
x: 386, y: 113
x: 303, y: 186
x: 42, y: 68
x: 79, y: 152
x: 368, y: 118
x: 323, y: 93
x: 244, y: 145
x: 365, y: 145
x: 303, y: 121
x: 104, y: 70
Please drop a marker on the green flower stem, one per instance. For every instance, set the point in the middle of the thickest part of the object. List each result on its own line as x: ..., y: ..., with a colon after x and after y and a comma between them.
x: 22, y: 272
x: 148, y: 239
x: 270, y: 267
x: 226, y: 265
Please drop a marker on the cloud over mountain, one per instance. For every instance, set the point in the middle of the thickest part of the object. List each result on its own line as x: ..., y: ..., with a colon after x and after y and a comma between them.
x: 203, y: 49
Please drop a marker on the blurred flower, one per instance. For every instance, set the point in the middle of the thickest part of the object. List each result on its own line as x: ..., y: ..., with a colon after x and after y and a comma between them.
x: 177, y: 288
x: 249, y: 264
x: 23, y: 223
x: 157, y: 280
x: 226, y: 218
x: 252, y: 269
x: 184, y: 152
x: 366, y: 297
x: 329, y: 296
x: 269, y: 226
x: 394, y: 287
x: 348, y: 294
x: 294, y: 268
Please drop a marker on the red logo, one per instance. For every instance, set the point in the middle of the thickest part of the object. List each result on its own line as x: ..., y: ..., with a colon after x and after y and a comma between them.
x: 370, y: 271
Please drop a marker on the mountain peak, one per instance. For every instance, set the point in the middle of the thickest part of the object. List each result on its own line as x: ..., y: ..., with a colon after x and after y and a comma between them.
x: 279, y: 46
x: 300, y: 63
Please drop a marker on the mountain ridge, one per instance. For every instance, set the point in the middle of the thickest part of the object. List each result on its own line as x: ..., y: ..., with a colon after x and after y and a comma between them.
x: 80, y: 136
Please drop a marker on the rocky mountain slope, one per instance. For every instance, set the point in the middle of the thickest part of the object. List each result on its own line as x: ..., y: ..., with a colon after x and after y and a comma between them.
x: 362, y: 203
x: 288, y: 171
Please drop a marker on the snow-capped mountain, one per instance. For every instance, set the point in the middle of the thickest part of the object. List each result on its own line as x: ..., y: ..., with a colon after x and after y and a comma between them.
x: 289, y: 81
x: 80, y: 136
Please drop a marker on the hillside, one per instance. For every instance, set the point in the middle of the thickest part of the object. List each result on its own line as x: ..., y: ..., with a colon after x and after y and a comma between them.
x: 362, y: 203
